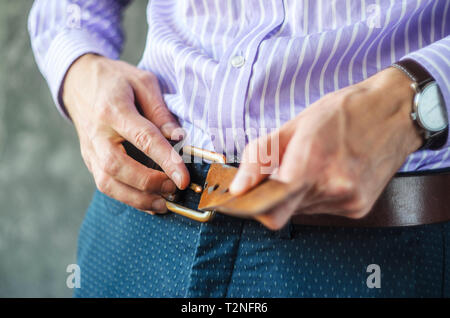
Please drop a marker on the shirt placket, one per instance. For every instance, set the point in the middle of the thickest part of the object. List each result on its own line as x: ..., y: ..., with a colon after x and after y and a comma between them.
x: 229, y: 89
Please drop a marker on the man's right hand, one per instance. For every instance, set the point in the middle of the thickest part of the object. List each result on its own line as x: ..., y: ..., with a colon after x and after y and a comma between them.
x: 100, y: 96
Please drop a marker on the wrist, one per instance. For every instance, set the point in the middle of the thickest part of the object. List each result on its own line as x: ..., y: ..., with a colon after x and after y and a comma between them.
x: 75, y: 77
x: 396, y: 99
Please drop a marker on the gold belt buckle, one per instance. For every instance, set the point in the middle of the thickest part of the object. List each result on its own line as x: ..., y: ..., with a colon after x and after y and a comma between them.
x: 187, y: 212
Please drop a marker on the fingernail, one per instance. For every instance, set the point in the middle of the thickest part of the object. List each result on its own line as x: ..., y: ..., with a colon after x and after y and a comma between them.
x: 170, y: 197
x: 168, y: 130
x: 168, y: 187
x: 159, y: 205
x: 148, y: 212
x: 176, y: 177
x: 240, y: 182
x: 178, y: 134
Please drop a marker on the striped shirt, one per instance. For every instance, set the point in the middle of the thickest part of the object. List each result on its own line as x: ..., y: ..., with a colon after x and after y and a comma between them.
x: 231, y: 70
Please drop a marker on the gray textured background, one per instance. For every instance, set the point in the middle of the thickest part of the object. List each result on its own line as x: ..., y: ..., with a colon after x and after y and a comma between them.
x: 44, y: 186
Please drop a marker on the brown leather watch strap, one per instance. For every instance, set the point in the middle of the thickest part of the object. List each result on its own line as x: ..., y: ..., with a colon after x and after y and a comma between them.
x: 420, y: 75
x: 414, y: 70
x: 406, y: 200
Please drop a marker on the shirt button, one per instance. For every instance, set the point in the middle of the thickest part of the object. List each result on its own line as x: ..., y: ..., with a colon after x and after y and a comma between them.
x: 237, y: 61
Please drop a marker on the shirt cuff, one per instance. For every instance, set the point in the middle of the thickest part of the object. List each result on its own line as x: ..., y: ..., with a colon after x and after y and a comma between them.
x: 434, y: 58
x: 65, y: 48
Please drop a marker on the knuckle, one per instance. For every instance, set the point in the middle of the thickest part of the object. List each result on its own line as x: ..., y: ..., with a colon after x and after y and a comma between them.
x: 159, y: 111
x: 360, y: 203
x: 102, y: 183
x: 111, y: 165
x: 359, y: 207
x: 103, y: 111
x: 107, y: 111
x: 339, y: 186
x: 272, y: 223
x: 147, y: 77
x: 145, y: 182
x: 142, y: 204
x: 144, y: 140
x: 358, y: 215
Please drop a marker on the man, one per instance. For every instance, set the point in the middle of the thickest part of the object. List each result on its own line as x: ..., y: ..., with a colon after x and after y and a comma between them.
x: 310, y: 80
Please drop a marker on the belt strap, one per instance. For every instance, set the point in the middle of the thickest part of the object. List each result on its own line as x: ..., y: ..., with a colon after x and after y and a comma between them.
x: 406, y: 201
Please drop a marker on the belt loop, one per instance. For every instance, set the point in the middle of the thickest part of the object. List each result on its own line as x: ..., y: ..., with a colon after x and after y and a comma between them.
x: 286, y: 231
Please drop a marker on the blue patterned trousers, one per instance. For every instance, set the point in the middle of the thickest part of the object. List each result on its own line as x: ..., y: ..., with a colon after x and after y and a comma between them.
x: 126, y: 253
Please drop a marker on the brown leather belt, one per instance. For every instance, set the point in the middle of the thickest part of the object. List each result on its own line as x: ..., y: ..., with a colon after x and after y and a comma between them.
x: 407, y: 200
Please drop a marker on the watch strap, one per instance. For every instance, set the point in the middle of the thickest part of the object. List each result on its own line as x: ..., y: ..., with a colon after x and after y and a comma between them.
x: 436, y: 142
x: 419, y: 75
x: 414, y: 71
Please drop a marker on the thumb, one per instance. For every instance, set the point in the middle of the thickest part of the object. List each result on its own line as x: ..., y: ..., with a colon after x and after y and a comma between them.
x: 260, y: 158
x: 148, y: 95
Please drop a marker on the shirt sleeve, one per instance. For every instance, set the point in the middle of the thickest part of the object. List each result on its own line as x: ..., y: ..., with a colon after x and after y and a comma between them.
x: 435, y: 58
x: 63, y: 30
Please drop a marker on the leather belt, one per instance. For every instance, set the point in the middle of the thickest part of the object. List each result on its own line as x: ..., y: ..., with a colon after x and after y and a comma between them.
x: 407, y: 200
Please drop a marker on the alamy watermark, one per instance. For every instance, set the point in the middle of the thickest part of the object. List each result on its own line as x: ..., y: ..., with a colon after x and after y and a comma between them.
x: 374, y: 278
x: 74, y: 278
x: 265, y: 150
x: 75, y: 15
x: 373, y: 19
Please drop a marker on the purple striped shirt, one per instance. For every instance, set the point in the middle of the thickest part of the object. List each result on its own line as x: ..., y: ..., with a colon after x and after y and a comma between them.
x: 232, y: 70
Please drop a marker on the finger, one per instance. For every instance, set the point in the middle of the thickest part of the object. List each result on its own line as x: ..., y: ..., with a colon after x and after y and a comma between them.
x: 301, y: 203
x: 114, y: 161
x: 321, y: 208
x: 311, y: 199
x: 298, y: 164
x: 148, y: 95
x: 260, y: 158
x: 330, y: 208
x: 354, y: 207
x: 146, y: 137
x: 143, y: 201
x: 279, y: 216
x: 328, y: 190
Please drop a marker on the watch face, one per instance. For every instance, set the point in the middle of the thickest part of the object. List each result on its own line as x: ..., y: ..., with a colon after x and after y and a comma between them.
x: 430, y: 108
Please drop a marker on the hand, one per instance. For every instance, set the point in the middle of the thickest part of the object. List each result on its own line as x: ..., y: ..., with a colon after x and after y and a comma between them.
x: 342, y: 150
x: 100, y: 96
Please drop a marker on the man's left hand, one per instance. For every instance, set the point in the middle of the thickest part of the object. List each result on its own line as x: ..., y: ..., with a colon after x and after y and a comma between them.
x: 343, y: 150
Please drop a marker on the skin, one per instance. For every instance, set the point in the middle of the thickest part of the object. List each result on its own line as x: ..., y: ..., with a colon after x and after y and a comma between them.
x: 341, y: 151
x: 100, y: 96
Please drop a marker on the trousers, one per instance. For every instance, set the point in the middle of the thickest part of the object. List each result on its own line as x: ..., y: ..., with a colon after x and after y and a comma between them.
x: 123, y: 252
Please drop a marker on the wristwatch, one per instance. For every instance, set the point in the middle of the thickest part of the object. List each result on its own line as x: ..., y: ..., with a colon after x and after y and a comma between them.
x: 428, y: 110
